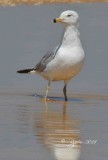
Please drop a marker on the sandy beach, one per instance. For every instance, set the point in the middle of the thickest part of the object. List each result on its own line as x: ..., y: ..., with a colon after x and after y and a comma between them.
x: 32, y: 129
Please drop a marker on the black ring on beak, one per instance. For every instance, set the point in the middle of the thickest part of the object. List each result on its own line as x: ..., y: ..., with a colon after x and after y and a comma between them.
x: 54, y: 21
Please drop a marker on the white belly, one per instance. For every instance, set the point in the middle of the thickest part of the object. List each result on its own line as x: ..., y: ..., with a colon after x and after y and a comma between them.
x: 65, y: 65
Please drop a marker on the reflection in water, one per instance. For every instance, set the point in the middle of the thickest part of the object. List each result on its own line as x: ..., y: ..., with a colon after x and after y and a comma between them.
x: 53, y: 126
x: 58, y: 132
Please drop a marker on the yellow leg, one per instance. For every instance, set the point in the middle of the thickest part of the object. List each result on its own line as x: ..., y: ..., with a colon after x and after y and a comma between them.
x: 48, y: 86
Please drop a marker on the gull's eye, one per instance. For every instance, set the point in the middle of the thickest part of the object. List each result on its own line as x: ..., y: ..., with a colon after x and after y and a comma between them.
x: 69, y: 15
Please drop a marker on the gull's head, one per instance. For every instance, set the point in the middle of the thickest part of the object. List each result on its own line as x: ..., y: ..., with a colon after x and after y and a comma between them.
x: 68, y: 18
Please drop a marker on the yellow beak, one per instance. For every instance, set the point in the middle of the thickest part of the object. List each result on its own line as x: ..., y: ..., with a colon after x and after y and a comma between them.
x: 57, y: 20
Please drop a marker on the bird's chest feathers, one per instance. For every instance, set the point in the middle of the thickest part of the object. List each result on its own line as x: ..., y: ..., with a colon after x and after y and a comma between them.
x: 68, y: 57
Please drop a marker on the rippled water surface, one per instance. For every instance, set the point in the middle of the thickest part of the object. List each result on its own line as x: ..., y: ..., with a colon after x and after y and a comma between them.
x: 31, y: 128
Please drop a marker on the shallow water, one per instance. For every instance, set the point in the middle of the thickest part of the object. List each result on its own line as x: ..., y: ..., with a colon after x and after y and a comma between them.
x: 31, y: 128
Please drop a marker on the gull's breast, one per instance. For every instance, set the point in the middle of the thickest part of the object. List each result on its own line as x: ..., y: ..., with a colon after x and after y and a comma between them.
x: 66, y: 64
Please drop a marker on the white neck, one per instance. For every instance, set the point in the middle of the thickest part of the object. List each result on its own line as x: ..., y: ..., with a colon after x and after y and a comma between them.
x: 71, y: 36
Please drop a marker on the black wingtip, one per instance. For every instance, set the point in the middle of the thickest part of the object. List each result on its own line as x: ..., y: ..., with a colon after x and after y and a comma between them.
x: 25, y: 71
x: 19, y: 71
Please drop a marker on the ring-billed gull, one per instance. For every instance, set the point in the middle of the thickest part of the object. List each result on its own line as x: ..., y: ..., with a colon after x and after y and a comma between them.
x: 66, y: 60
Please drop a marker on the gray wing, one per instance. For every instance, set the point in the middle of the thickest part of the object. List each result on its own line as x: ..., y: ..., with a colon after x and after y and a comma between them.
x: 48, y: 57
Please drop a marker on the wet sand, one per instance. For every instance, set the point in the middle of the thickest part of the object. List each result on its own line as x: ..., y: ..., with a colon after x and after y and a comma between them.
x: 31, y: 128
x: 39, y: 2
